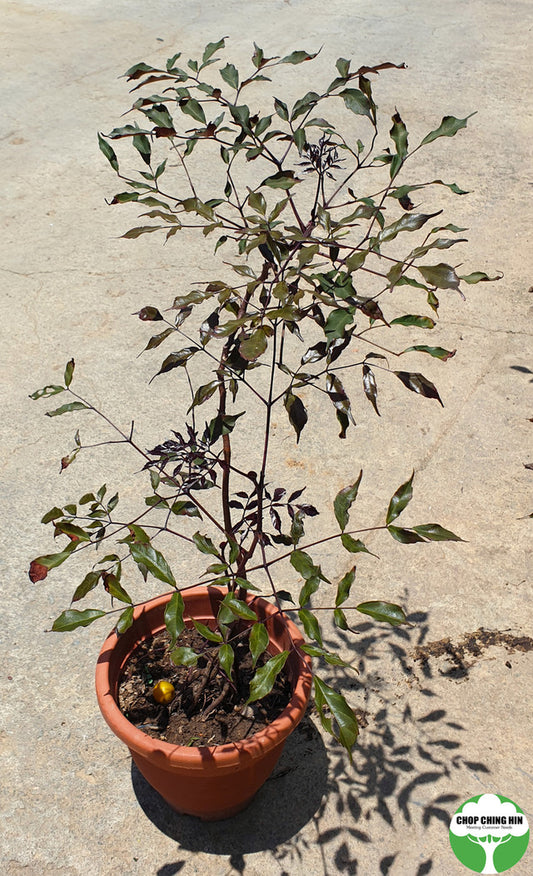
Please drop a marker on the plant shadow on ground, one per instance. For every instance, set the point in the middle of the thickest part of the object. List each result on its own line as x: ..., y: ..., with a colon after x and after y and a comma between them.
x: 402, y: 773
x: 270, y: 820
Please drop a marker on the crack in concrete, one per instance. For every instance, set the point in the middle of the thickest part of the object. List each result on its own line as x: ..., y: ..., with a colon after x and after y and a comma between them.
x: 452, y: 423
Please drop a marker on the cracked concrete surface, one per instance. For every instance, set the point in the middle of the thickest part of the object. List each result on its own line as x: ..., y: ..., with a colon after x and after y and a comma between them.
x: 70, y: 802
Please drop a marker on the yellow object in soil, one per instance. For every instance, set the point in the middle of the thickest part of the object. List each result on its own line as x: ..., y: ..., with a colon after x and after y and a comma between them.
x: 163, y: 692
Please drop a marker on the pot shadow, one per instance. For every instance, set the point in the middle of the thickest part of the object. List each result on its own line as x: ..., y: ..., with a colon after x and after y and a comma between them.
x: 269, y: 821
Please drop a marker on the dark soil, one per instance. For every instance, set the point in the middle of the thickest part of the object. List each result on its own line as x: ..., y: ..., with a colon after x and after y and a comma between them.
x: 460, y: 657
x: 207, y: 709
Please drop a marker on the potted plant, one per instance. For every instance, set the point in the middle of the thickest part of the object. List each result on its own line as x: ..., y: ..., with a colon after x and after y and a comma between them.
x: 313, y: 232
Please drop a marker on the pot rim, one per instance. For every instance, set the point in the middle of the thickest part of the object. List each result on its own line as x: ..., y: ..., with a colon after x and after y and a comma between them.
x: 197, y: 757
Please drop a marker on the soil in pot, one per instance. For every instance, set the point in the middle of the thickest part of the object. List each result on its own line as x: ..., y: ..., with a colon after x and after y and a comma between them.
x: 207, y: 709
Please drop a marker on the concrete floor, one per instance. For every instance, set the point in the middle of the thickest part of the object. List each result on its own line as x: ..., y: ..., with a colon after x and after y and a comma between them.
x: 437, y: 732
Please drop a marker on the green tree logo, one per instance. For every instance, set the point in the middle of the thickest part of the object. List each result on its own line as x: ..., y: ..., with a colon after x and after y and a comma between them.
x: 489, y: 833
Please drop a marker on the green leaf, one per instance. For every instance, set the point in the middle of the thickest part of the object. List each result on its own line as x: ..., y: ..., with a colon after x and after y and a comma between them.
x: 257, y: 202
x: 89, y: 583
x: 160, y: 170
x: 194, y: 109
x: 220, y: 425
x: 336, y: 323
x: 66, y: 409
x: 303, y: 564
x: 46, y: 392
x: 407, y: 222
x: 203, y: 393
x: 217, y: 568
x: 71, y: 619
x: 204, y: 544
x: 297, y: 413
x: 284, y: 179
x: 307, y: 254
x: 53, y: 514
x: 398, y: 133
x: 284, y: 596
x: 211, y: 48
x: 400, y: 500
x: 438, y: 243
x: 113, y: 587
x: 331, y: 659
x: 109, y: 152
x: 354, y: 545
x: 297, y: 57
x: 345, y: 729
x: 184, y: 656
x: 435, y: 532
x: 404, y: 536
x: 241, y: 116
x: 357, y: 102
x: 310, y: 625
x: 412, y: 319
x: 174, y: 616
x: 436, y: 352
x: 125, y: 620
x: 158, y: 114
x: 71, y: 529
x: 143, y: 146
x: 139, y: 70
x: 263, y: 680
x: 416, y: 382
x: 300, y: 140
x: 253, y: 347
x: 304, y: 104
x: 69, y: 371
x: 344, y: 500
x: 344, y: 586
x: 226, y: 658
x: 230, y: 74
x: 343, y: 66
x: 355, y: 260
x: 176, y: 360
x: 311, y: 586
x: 138, y: 533
x: 238, y: 608
x: 442, y: 276
x: 234, y: 550
x: 447, y: 128
x: 210, y: 635
x: 156, y: 502
x: 258, y: 641
x: 339, y: 619
x: 133, y: 233
x: 186, y: 508
x: 387, y: 612
x: 281, y: 109
x: 195, y: 205
x: 402, y: 191
x: 146, y: 555
x: 51, y: 561
x: 479, y: 277
x: 246, y: 585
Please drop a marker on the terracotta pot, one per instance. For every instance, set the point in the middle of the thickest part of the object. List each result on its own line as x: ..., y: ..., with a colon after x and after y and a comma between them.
x: 212, y: 782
